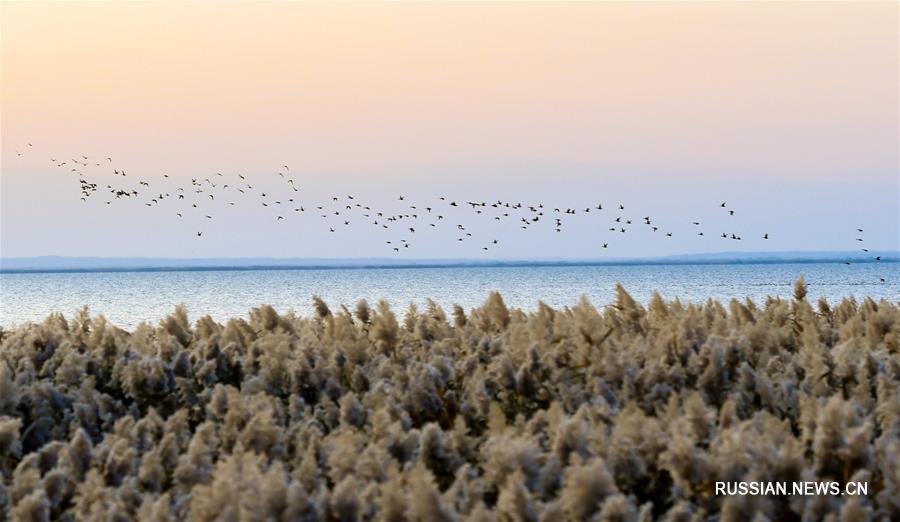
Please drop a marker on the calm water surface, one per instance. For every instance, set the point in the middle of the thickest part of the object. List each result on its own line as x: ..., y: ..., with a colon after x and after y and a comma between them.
x: 128, y: 298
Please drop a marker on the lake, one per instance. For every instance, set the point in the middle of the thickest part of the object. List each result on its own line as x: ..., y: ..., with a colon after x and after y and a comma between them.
x: 128, y: 298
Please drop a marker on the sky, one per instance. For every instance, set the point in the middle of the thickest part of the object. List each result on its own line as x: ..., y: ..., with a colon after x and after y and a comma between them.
x: 786, y: 111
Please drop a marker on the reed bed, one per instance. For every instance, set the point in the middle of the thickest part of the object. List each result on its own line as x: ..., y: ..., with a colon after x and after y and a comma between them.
x: 617, y: 413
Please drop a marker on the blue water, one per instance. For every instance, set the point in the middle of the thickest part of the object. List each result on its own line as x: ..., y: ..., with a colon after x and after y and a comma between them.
x: 128, y: 298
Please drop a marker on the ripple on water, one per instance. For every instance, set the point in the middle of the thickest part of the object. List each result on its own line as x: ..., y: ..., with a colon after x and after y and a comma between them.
x: 128, y: 298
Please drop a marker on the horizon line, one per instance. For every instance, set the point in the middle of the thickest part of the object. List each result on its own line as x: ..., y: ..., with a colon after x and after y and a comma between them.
x: 210, y: 264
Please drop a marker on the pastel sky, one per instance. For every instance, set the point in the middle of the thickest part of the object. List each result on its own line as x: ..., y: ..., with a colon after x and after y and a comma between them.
x: 787, y: 111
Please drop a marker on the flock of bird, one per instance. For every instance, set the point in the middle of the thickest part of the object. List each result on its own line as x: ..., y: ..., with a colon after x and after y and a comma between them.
x: 200, y: 197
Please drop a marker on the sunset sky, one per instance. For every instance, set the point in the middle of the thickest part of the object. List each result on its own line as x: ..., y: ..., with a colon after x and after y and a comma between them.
x: 787, y: 111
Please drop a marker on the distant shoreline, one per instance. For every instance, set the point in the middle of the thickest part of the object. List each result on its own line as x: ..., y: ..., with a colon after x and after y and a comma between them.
x: 444, y: 265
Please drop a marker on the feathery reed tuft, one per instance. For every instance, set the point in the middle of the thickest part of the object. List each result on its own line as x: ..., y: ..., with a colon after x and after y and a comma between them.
x: 617, y: 413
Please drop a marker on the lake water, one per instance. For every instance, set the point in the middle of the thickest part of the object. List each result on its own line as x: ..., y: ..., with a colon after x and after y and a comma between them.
x: 128, y: 298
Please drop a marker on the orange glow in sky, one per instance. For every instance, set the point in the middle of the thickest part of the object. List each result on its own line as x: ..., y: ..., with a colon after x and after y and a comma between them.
x: 411, y: 93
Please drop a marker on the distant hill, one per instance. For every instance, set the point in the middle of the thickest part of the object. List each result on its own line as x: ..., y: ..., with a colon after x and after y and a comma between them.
x: 102, y: 264
x: 781, y: 257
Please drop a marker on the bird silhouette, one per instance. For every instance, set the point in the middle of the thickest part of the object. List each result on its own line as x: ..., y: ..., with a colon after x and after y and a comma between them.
x: 528, y: 216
